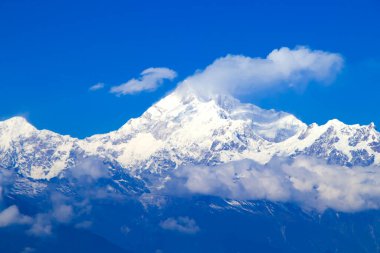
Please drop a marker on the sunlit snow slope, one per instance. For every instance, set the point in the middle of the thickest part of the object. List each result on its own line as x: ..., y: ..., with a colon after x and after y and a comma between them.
x: 183, y: 128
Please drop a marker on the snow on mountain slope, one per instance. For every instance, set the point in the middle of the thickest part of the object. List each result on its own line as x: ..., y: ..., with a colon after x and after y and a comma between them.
x: 183, y: 128
x: 12, y: 128
x: 186, y: 129
x: 39, y: 154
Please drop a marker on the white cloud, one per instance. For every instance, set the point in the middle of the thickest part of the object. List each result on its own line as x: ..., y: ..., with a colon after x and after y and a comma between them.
x: 97, y: 86
x: 282, y: 68
x: 89, y: 169
x: 41, y: 225
x: 308, y: 182
x: 181, y: 224
x: 63, y: 213
x: 150, y: 80
x: 12, y: 216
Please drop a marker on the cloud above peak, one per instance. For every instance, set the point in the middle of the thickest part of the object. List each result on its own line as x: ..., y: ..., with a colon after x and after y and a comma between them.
x: 282, y: 68
x: 150, y: 79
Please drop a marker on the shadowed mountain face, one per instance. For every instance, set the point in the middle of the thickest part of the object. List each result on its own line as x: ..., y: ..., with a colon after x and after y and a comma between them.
x: 164, y: 182
x: 66, y: 239
x: 202, y: 224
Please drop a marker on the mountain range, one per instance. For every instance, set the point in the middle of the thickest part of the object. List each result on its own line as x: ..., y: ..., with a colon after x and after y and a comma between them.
x: 187, y: 129
x: 105, y: 188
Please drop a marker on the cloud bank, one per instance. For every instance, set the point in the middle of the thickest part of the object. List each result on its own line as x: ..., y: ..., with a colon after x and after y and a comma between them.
x: 150, y: 80
x: 305, y: 181
x: 282, y: 68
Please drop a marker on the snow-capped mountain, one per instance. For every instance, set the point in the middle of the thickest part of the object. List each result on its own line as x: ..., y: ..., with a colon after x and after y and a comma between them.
x: 184, y: 128
x: 35, y: 153
x: 117, y: 186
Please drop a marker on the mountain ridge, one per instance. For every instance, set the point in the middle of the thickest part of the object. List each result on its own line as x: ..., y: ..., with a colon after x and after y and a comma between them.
x: 183, y: 128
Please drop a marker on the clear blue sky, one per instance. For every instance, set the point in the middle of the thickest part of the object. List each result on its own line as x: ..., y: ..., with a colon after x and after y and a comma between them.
x: 51, y: 52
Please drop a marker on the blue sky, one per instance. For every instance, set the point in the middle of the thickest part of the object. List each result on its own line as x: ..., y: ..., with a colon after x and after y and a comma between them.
x: 51, y: 52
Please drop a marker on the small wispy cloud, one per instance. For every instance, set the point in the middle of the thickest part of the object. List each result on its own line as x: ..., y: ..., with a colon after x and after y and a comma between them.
x: 96, y: 87
x: 149, y: 80
x: 181, y: 224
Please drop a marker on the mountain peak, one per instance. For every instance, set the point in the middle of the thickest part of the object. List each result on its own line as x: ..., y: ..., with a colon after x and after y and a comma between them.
x: 12, y: 128
x: 17, y: 123
x: 335, y: 122
x: 16, y: 119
